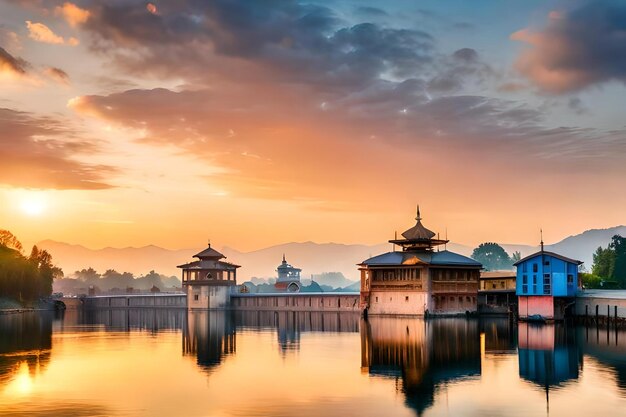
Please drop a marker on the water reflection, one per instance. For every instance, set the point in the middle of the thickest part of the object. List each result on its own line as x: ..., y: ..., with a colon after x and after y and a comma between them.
x: 548, y: 354
x: 422, y: 355
x: 209, y: 337
x: 25, y: 347
x: 235, y: 360
x: 151, y: 319
x: 290, y: 325
x: 608, y: 347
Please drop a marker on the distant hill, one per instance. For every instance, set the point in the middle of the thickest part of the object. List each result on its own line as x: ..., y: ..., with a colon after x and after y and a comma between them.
x: 314, y: 258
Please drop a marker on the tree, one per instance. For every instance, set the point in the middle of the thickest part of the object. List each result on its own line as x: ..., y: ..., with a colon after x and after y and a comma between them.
x: 492, y: 256
x: 618, y: 245
x: 517, y: 256
x: 24, y: 278
x: 9, y: 240
x: 603, y: 263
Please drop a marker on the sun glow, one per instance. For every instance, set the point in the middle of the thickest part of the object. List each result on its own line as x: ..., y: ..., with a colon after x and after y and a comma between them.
x: 33, y: 204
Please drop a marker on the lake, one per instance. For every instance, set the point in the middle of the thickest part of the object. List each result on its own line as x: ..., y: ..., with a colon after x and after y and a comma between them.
x: 155, y: 362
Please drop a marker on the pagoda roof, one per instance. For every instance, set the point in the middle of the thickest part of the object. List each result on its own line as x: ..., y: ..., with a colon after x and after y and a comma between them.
x: 442, y: 258
x: 418, y: 232
x: 209, y: 264
x: 209, y: 253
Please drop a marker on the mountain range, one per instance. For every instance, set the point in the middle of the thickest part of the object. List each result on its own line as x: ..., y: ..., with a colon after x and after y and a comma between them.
x: 313, y: 258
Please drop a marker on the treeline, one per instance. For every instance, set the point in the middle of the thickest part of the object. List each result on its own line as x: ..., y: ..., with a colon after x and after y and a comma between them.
x: 114, y: 282
x: 24, y: 278
x: 609, y: 266
x: 494, y: 257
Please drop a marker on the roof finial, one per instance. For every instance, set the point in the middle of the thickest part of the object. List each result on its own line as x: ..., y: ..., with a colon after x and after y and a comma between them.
x: 541, y: 234
x: 419, y: 217
x: 284, y: 258
x: 209, y: 242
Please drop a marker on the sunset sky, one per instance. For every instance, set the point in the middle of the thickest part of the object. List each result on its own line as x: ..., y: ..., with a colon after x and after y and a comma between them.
x: 253, y: 123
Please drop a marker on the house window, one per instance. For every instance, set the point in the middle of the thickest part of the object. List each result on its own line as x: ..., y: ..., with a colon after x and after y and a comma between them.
x: 524, y: 279
x: 546, y: 284
x: 376, y: 299
x: 524, y: 267
x: 535, y: 267
x: 525, y: 288
x: 546, y: 263
x: 406, y: 298
x: 570, y: 279
x: 195, y: 297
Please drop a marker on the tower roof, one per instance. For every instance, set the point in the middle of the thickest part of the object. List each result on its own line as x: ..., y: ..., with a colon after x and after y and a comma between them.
x: 418, y: 231
x: 418, y: 237
x: 209, y: 253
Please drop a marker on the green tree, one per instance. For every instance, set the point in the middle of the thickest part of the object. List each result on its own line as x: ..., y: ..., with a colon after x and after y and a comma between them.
x: 516, y: 256
x: 603, y: 263
x: 618, y: 245
x: 492, y: 256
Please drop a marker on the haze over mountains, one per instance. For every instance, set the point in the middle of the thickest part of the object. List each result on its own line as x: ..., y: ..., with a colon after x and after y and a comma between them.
x: 313, y: 258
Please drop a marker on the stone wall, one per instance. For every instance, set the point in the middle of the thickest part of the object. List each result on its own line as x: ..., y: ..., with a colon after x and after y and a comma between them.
x: 296, y: 302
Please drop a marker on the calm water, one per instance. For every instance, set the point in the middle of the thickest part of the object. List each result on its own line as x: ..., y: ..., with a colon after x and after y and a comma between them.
x: 170, y: 363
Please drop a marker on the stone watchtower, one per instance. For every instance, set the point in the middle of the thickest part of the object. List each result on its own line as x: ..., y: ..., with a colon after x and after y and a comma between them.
x: 208, y: 281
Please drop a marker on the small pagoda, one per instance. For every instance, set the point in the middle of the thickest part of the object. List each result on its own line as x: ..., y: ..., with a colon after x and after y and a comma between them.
x: 418, y: 237
x: 208, y: 280
x: 288, y: 278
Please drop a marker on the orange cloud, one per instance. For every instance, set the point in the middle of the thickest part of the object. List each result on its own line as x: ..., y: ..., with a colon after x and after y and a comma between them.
x: 11, y: 67
x: 151, y: 8
x: 73, y: 14
x: 42, y: 33
x: 575, y: 49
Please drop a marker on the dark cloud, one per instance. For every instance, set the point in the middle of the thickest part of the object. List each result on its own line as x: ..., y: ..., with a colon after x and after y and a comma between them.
x: 39, y: 152
x: 577, y: 48
x: 58, y: 75
x: 371, y: 12
x: 283, y: 41
x: 463, y: 66
x: 11, y: 65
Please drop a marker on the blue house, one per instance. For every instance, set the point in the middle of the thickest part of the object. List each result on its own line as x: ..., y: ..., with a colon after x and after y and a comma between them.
x: 546, y: 285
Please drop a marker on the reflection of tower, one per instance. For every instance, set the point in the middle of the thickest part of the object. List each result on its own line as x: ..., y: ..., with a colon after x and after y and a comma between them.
x: 210, y: 336
x: 548, y: 355
x: 424, y: 355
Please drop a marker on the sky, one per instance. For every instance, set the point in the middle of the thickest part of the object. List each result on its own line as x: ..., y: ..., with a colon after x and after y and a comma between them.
x: 254, y: 123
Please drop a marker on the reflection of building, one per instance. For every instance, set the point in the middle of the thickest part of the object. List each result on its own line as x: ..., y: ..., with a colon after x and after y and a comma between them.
x: 290, y: 325
x: 424, y: 354
x: 496, y: 293
x: 209, y: 336
x: 607, y: 346
x: 288, y: 278
x: 546, y: 285
x: 548, y: 354
x: 419, y: 279
x: 208, y: 280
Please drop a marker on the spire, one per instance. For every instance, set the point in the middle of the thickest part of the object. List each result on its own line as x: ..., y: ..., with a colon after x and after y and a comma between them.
x: 419, y: 217
x: 541, y: 234
x: 284, y: 261
x: 209, y: 242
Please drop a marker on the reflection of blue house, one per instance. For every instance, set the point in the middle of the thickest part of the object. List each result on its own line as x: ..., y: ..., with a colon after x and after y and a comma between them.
x: 546, y: 284
x: 548, y: 355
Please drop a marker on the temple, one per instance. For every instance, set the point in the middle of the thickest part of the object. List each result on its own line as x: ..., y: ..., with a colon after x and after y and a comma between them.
x: 288, y: 278
x: 420, y: 279
x: 208, y: 281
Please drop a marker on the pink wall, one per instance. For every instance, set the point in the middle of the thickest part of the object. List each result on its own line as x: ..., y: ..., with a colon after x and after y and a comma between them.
x: 530, y: 305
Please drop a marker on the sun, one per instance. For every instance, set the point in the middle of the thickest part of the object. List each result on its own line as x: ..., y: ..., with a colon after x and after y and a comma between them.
x: 33, y: 204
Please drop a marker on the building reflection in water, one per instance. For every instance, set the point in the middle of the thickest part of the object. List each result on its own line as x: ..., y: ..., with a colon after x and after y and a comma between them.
x: 290, y: 325
x: 126, y: 319
x: 606, y: 345
x: 25, y: 344
x: 548, y: 354
x: 422, y: 355
x: 210, y: 337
